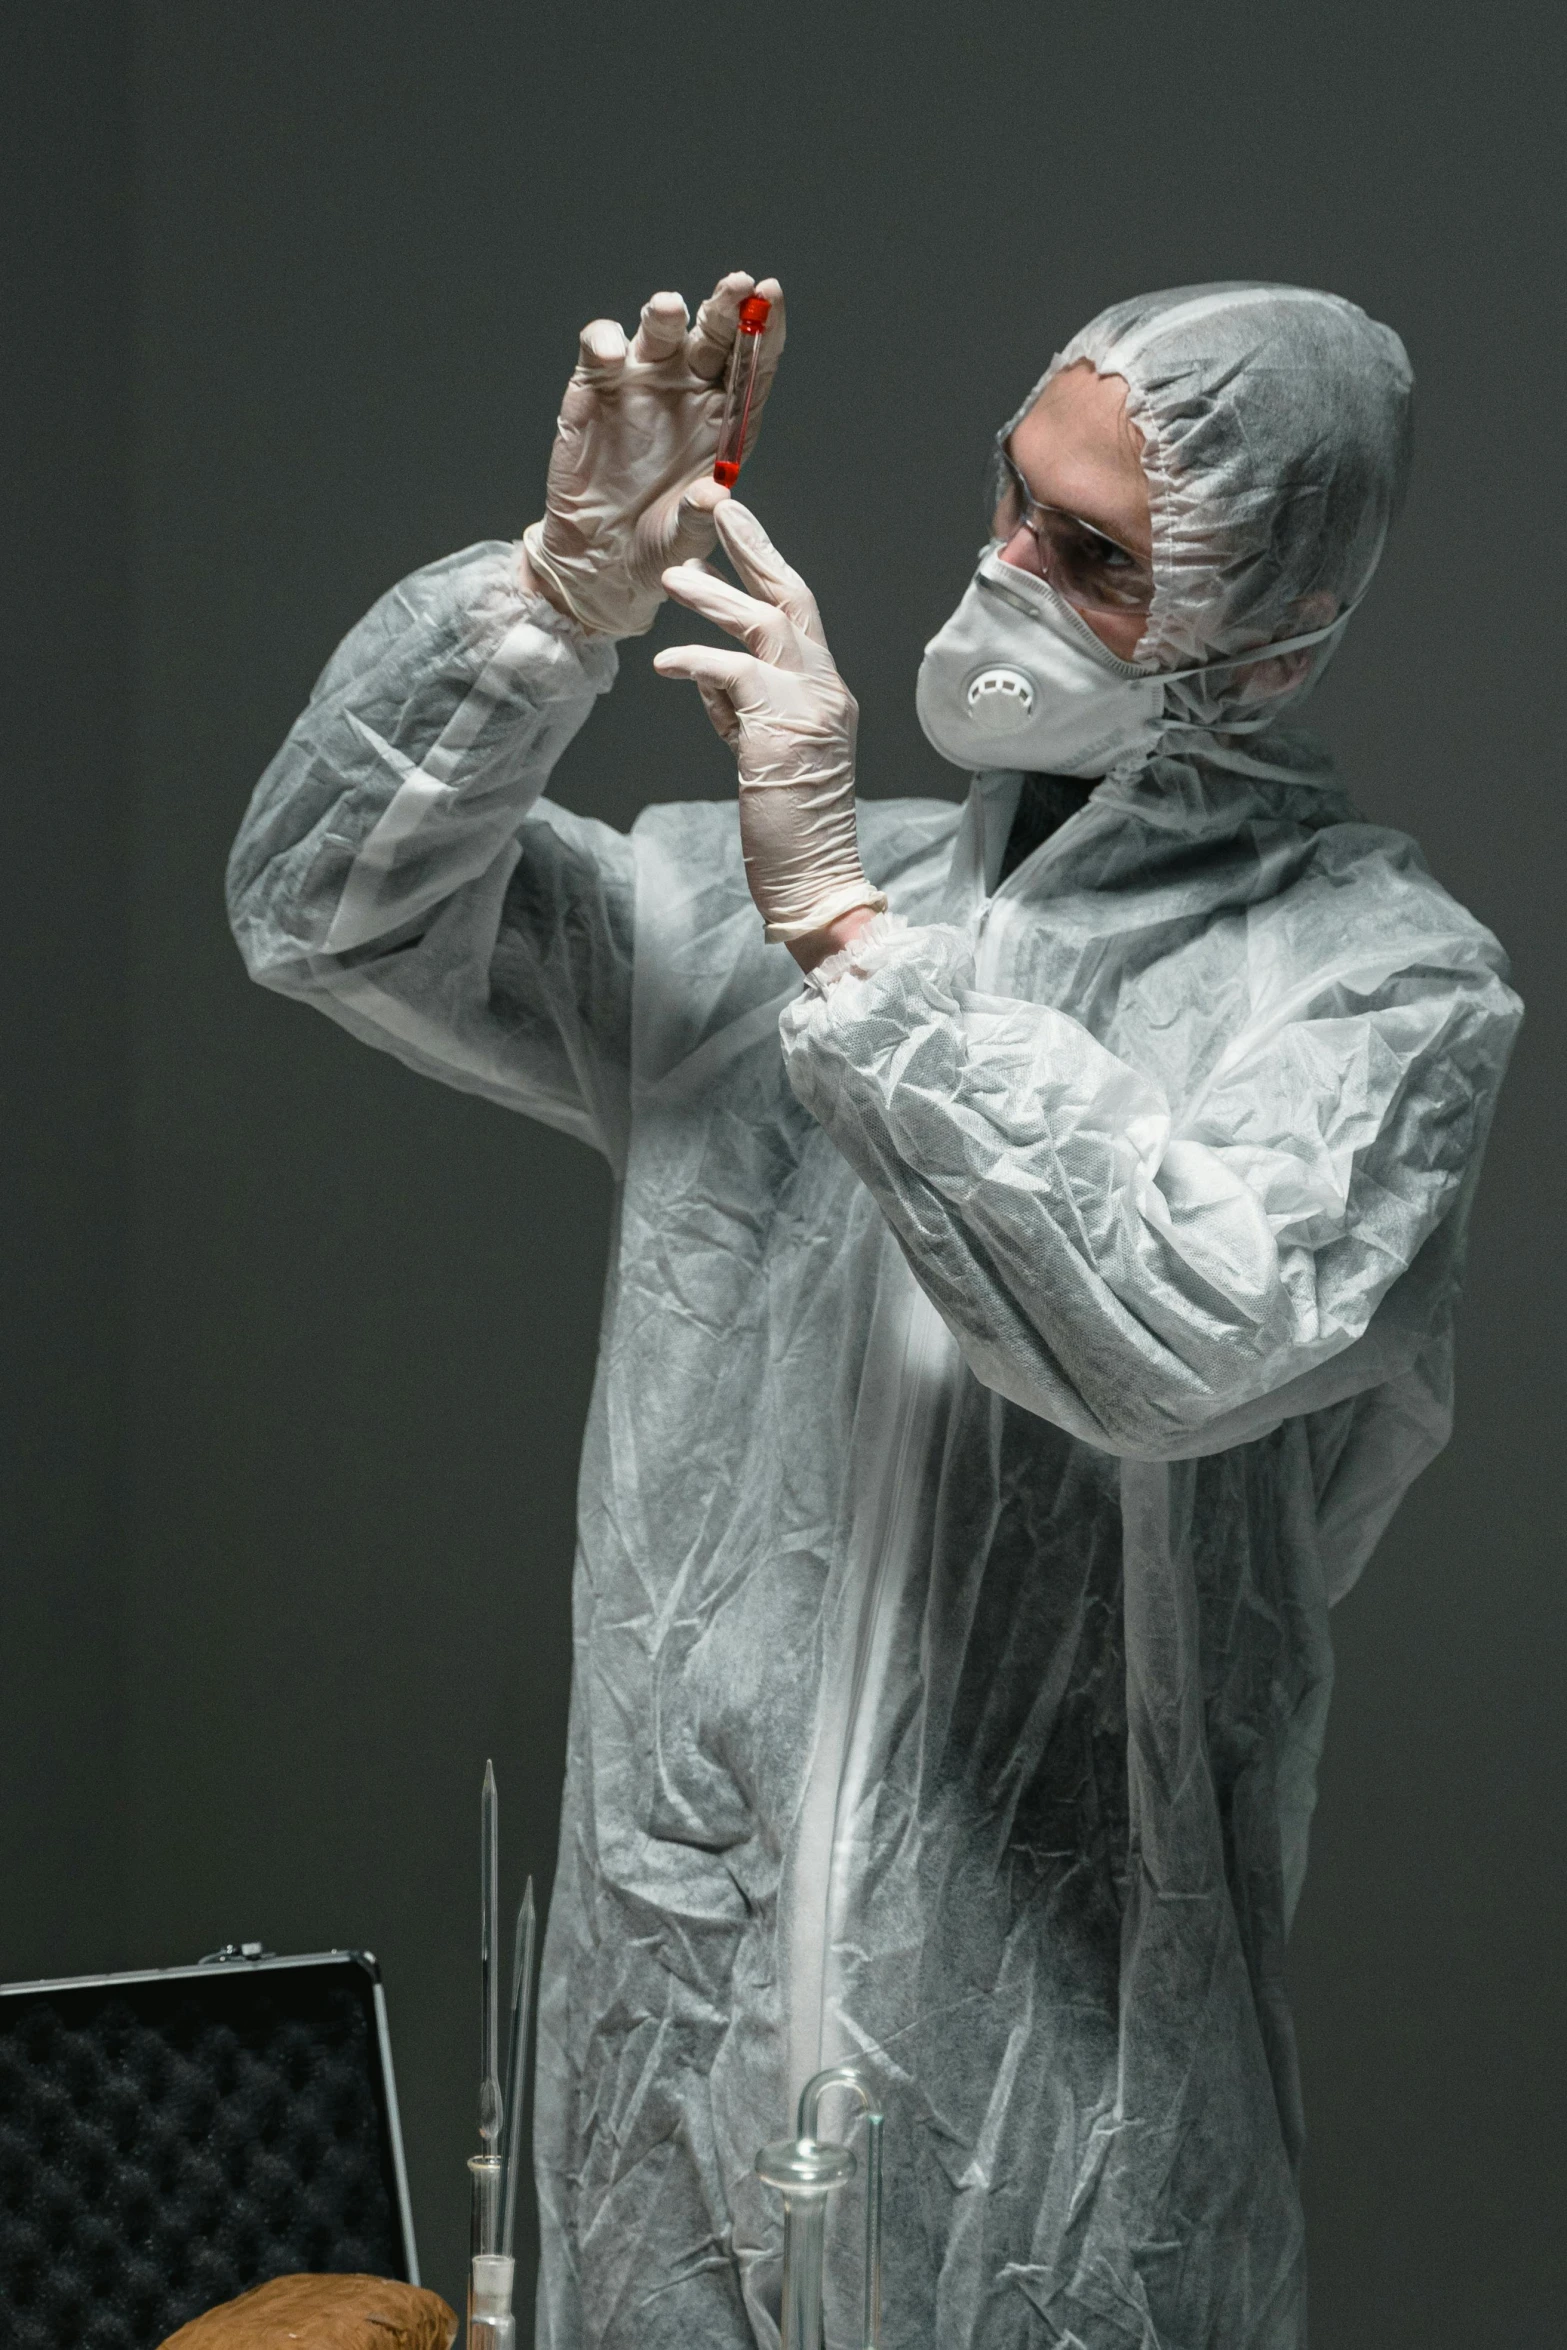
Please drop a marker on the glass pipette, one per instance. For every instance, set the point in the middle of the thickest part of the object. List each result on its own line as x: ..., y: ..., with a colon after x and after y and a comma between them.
x: 491, y: 2111
x: 740, y: 388
x: 491, y: 2325
x: 517, y: 2060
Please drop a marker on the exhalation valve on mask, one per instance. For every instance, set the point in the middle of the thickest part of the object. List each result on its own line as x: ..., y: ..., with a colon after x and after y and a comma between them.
x: 1000, y: 700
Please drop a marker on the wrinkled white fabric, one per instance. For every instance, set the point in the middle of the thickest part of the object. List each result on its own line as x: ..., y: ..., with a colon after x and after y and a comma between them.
x: 996, y: 1386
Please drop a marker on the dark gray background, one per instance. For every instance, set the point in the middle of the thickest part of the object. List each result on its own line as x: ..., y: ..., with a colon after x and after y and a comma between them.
x: 297, y: 1346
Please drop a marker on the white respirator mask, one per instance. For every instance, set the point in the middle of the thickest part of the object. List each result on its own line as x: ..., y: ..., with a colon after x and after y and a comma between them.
x: 1018, y: 679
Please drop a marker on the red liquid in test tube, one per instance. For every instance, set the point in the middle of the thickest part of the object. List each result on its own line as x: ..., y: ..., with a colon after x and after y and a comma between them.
x: 740, y: 389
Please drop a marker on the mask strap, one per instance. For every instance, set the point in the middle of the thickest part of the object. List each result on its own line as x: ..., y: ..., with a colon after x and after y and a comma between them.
x: 1131, y: 669
x: 1288, y: 644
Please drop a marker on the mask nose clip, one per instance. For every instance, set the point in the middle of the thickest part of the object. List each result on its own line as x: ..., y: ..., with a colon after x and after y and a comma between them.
x: 1000, y: 699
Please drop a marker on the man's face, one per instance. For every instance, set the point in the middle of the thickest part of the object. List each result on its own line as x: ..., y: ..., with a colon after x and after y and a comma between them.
x: 1080, y: 458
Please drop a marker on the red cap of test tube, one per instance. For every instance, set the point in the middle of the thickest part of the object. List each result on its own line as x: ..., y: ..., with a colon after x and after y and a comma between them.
x: 754, y: 314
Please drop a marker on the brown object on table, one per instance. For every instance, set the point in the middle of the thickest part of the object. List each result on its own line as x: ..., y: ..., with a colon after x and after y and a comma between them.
x: 323, y: 2313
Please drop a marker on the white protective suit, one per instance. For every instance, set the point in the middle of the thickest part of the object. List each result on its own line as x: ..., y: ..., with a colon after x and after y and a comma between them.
x: 1001, y: 1375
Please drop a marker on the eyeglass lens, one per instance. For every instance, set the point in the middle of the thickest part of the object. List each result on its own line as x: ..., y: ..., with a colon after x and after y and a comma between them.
x: 1091, y: 571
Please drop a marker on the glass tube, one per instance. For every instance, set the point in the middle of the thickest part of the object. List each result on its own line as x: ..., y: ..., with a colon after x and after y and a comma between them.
x: 805, y: 2174
x: 740, y: 389
x: 517, y: 2062
x: 491, y: 2325
x: 807, y: 2171
x: 491, y: 2114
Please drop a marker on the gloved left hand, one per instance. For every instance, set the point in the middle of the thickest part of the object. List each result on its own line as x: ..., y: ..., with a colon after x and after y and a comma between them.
x: 790, y: 719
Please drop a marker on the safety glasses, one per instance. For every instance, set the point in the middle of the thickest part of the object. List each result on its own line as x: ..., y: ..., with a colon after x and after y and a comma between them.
x: 1091, y: 571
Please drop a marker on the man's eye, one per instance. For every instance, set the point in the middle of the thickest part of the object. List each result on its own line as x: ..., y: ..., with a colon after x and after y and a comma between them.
x: 1104, y: 552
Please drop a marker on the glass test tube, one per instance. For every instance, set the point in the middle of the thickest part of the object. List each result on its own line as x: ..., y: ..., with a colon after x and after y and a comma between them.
x: 491, y: 2111
x: 491, y: 2325
x: 740, y: 389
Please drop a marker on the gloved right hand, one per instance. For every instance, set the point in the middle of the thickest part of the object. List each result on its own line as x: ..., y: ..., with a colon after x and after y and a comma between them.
x: 790, y: 720
x: 630, y: 488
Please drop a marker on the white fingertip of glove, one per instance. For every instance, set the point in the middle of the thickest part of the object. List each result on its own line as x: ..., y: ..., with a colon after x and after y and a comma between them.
x: 787, y: 713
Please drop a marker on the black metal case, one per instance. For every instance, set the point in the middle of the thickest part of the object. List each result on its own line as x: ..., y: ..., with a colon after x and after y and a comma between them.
x: 169, y: 2138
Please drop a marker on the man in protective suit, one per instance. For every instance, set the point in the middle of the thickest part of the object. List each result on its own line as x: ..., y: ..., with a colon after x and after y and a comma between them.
x: 1019, y: 1331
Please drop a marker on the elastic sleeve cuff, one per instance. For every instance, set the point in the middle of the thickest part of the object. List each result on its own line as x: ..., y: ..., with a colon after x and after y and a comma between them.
x: 848, y: 1028
x: 885, y: 940
x: 860, y: 954
x: 592, y: 652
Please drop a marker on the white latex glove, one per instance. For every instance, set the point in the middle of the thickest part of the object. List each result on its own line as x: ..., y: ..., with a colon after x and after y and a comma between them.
x: 630, y: 487
x: 790, y: 719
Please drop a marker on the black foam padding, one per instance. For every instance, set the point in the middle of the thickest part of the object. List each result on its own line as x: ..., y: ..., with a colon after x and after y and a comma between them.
x: 165, y: 2144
